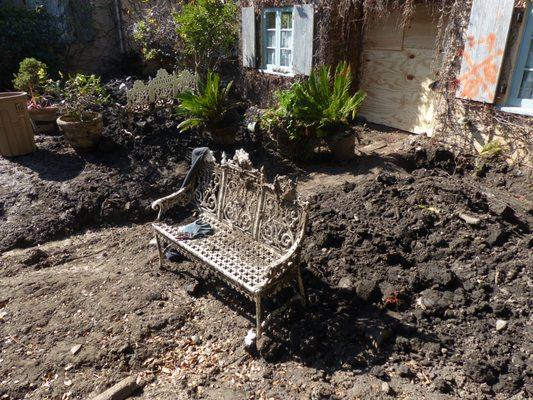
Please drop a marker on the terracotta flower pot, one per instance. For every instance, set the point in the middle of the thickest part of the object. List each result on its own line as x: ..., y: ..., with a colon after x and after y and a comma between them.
x: 83, y: 136
x: 342, y: 146
x: 44, y: 119
x: 223, y: 136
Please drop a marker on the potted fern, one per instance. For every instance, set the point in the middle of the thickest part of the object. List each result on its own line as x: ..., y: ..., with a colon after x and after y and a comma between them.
x: 210, y: 110
x: 325, y: 104
x: 80, y: 121
x: 32, y: 78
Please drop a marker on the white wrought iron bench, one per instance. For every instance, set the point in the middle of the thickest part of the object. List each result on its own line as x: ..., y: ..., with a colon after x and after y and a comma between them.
x: 258, y: 227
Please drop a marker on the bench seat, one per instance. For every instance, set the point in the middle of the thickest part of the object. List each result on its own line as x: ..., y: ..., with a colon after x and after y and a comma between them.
x: 235, y: 255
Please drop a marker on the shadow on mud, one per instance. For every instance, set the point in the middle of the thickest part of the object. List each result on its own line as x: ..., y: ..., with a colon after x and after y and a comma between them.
x: 336, y: 331
x: 52, y: 166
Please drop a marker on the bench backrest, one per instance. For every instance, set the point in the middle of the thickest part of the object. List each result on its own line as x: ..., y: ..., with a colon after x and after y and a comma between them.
x: 238, y: 194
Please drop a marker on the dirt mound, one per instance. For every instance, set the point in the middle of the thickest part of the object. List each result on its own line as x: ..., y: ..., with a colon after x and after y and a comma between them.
x: 448, y: 255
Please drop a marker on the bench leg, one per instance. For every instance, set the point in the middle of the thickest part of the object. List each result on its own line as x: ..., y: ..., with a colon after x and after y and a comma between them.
x: 159, y: 250
x: 258, y: 316
x: 301, y: 287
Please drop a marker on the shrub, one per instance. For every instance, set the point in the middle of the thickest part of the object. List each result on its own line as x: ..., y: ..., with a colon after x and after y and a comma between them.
x: 208, y: 29
x: 31, y: 77
x: 210, y: 107
x: 82, y: 94
x: 324, y: 102
x: 155, y: 33
x: 318, y: 107
x: 25, y: 33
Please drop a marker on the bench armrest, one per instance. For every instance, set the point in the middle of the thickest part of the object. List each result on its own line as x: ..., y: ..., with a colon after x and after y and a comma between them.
x: 162, y: 205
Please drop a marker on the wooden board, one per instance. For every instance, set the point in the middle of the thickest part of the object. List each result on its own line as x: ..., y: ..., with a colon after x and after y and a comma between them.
x: 486, y: 39
x: 421, y: 32
x: 385, y: 33
x: 397, y: 86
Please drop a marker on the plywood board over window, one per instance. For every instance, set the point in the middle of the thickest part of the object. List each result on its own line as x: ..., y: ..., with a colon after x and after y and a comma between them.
x: 396, y: 72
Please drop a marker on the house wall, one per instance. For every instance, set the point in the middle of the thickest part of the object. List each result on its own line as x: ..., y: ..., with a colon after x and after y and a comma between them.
x: 397, y: 70
x: 333, y: 31
x: 469, y: 125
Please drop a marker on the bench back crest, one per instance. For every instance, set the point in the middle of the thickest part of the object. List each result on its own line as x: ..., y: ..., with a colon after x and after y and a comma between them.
x: 236, y: 193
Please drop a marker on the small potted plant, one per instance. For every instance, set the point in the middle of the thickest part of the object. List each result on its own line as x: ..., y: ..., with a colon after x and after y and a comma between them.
x: 32, y: 78
x: 325, y: 104
x: 209, y: 109
x: 80, y: 122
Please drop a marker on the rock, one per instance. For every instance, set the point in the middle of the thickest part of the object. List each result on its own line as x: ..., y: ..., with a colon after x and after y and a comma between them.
x: 74, y: 349
x: 368, y: 290
x: 192, y: 288
x: 497, y: 236
x: 121, y: 390
x: 345, y: 283
x: 469, y: 219
x: 35, y: 256
x: 442, y: 385
x: 434, y: 302
x: 385, y: 388
x: 405, y: 372
x: 249, y: 342
x: 500, y: 325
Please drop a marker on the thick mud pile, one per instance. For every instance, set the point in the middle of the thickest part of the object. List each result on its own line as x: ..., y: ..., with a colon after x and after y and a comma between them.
x: 55, y: 191
x: 448, y: 256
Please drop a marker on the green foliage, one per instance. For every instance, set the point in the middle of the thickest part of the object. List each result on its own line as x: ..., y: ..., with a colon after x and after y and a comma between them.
x: 209, y: 107
x: 80, y: 94
x: 324, y: 102
x: 155, y: 33
x: 31, y: 77
x: 25, y: 33
x: 318, y: 107
x: 282, y: 117
x: 208, y: 29
x: 492, y: 149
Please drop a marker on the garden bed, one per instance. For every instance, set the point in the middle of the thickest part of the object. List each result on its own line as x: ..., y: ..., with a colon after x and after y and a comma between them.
x: 405, y: 294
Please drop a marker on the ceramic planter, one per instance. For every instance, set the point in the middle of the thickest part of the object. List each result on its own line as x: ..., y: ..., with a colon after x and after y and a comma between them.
x: 83, y: 136
x: 223, y: 136
x: 16, y: 134
x: 44, y: 119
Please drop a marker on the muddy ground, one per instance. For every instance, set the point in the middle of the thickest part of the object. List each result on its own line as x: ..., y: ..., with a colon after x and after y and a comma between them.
x: 407, y: 299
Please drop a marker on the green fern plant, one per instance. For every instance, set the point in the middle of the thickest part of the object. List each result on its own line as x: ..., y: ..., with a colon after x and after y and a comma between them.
x: 324, y: 102
x: 210, y: 107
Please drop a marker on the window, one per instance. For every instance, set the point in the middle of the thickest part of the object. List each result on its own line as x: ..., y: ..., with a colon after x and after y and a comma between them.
x: 521, y: 94
x: 277, y: 34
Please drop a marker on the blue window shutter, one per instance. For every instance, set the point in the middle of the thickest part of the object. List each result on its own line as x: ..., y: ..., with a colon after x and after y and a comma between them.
x: 303, y: 29
x: 248, y: 37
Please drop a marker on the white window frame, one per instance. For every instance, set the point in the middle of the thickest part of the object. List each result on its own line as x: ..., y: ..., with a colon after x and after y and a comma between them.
x: 514, y: 103
x: 276, y: 68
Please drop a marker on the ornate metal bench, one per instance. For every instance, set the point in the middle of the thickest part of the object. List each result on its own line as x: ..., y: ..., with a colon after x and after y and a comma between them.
x: 258, y: 227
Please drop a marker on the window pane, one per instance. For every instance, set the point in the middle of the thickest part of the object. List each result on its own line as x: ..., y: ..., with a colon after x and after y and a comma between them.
x: 529, y: 63
x: 526, y: 88
x: 271, y: 38
x: 286, y: 20
x: 286, y: 39
x: 270, y: 56
x: 285, y: 58
x: 271, y: 20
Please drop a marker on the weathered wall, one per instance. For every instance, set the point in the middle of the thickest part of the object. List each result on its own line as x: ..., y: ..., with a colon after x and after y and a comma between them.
x: 89, y: 32
x: 335, y: 39
x: 469, y: 125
